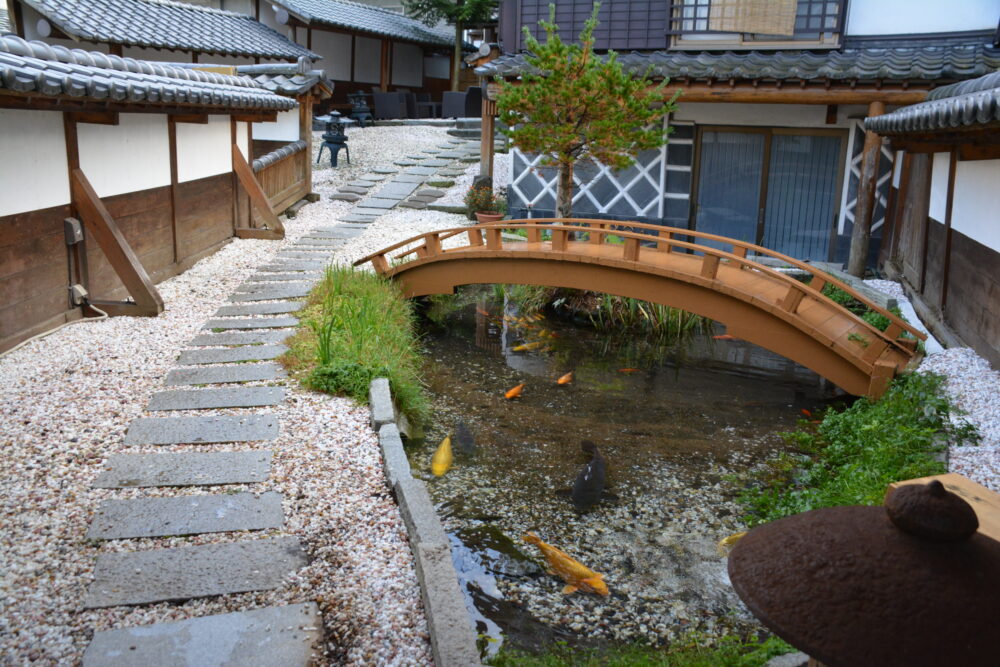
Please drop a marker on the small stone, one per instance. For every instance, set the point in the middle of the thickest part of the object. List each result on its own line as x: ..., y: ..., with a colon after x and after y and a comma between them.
x: 409, y: 203
x: 428, y: 192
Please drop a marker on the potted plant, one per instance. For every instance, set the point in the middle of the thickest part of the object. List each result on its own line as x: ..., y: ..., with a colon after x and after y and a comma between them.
x: 487, y: 207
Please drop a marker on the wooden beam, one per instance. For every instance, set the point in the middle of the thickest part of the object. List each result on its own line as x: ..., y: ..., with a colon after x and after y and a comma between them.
x: 257, y: 196
x: 269, y: 117
x: 865, y: 208
x: 814, y: 94
x: 95, y: 117
x: 196, y: 118
x: 101, y: 226
x: 254, y: 233
x: 385, y: 71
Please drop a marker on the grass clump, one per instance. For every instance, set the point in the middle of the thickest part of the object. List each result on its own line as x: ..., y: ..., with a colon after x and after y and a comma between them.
x: 357, y: 327
x: 852, y: 455
x: 694, y: 651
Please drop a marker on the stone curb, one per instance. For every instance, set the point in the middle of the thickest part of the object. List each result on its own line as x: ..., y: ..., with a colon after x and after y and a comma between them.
x: 453, y: 639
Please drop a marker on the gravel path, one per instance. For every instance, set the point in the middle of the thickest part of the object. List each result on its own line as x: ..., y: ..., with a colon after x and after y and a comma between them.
x: 66, y: 400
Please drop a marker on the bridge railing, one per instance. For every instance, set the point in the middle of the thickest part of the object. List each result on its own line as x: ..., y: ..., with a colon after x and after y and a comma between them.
x: 558, y: 231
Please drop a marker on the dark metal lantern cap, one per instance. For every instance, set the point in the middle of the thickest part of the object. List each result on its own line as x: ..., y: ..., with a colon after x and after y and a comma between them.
x: 931, y: 512
x: 852, y: 587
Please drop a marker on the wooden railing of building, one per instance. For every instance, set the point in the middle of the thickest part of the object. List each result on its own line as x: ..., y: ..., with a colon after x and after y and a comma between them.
x: 284, y: 181
x: 272, y: 228
x: 714, y: 276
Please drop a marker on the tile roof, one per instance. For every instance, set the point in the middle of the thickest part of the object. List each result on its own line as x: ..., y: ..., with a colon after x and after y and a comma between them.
x: 55, y: 71
x: 168, y: 25
x: 366, y: 18
x: 960, y: 105
x: 5, y: 25
x: 925, y: 63
x: 268, y: 159
x: 287, y: 79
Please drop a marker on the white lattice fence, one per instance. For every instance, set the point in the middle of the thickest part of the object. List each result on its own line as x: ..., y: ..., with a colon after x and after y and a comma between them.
x: 851, y: 183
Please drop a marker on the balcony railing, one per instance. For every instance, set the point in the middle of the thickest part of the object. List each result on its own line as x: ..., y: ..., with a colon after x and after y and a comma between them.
x: 694, y: 22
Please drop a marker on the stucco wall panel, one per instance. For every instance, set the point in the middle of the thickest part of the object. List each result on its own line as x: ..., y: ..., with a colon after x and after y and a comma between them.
x: 33, y: 174
x: 131, y: 156
x: 204, y: 150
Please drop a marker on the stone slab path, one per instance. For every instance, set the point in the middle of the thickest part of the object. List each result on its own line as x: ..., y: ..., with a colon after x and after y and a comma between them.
x: 235, y: 347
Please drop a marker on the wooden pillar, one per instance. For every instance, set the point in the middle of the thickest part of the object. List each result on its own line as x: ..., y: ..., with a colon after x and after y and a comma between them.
x: 867, y: 186
x: 385, y: 66
x: 305, y: 133
x: 486, y: 140
x: 952, y: 167
x: 174, y: 194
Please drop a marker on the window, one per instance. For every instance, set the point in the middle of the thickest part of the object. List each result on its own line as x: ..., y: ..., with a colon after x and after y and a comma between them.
x: 708, y: 24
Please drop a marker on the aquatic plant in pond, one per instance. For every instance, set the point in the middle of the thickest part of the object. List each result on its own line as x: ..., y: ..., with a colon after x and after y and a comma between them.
x: 852, y: 455
x: 356, y: 326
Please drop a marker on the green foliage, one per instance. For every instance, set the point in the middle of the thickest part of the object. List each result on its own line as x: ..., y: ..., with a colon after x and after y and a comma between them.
x: 852, y: 456
x: 692, y: 651
x: 482, y: 199
x: 357, y: 327
x: 454, y: 12
x: 616, y: 312
x: 575, y: 105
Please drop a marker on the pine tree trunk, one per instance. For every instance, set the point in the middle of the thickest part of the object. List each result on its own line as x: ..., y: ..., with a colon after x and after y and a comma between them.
x: 564, y: 192
x: 456, y: 61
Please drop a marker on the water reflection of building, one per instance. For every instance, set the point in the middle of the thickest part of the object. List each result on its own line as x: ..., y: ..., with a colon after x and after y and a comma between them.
x: 487, y: 333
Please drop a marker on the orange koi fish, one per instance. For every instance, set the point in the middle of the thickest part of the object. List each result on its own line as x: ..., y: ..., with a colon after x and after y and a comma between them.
x: 628, y: 370
x: 725, y: 337
x: 482, y: 312
x: 578, y: 577
x: 442, y: 457
x: 807, y: 414
x: 515, y: 392
x: 534, y: 345
x: 565, y: 379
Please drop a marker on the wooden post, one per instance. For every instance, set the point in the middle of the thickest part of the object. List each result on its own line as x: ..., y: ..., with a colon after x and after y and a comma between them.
x: 952, y: 167
x: 172, y: 148
x: 305, y: 133
x: 865, y: 208
x: 385, y: 70
x: 275, y: 230
x: 486, y: 139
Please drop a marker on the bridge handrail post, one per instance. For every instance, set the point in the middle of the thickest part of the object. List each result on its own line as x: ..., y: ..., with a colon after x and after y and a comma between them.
x: 597, y: 235
x: 475, y: 236
x: 380, y: 264
x: 631, y: 251
x: 559, y: 239
x: 664, y: 244
x: 709, y: 266
x: 433, y: 244
x: 494, y: 238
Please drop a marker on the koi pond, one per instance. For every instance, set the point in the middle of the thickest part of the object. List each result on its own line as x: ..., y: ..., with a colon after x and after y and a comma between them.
x: 676, y: 422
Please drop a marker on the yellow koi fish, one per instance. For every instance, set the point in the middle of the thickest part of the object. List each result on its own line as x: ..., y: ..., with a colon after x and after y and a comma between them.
x: 578, y: 577
x: 442, y: 457
x: 534, y: 345
x: 726, y: 544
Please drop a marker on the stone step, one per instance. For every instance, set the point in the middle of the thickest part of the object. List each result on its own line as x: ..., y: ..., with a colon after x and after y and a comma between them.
x: 228, y: 355
x: 207, y: 399
x: 355, y: 217
x: 254, y: 287
x: 183, y: 573
x: 199, y: 430
x: 273, y: 292
x: 337, y: 233
x: 185, y: 469
x: 186, y: 515
x: 317, y: 242
x: 285, y: 277
x: 260, y: 309
x: 255, y: 323
x: 240, y: 338
x: 225, y: 374
x: 294, y: 265
x: 285, y: 635
x: 307, y: 254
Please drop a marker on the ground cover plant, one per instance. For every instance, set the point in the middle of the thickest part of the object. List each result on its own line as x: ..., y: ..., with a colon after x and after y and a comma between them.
x: 851, y: 455
x: 356, y: 326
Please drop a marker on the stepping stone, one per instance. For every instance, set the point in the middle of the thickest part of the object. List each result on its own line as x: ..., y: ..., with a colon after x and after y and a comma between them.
x: 420, y: 171
x: 285, y: 635
x: 183, y: 573
x: 370, y: 212
x: 342, y: 234
x: 273, y: 293
x: 229, y: 355
x: 186, y: 515
x: 223, y: 374
x: 409, y: 178
x: 303, y: 253
x: 375, y: 177
x: 410, y: 203
x: 432, y: 151
x: 441, y: 184
x: 198, y: 430
x: 283, y: 277
x: 306, y: 241
x: 452, y: 172
x: 123, y: 471
x: 345, y: 196
x: 453, y: 155
x: 263, y: 287
x: 396, y: 190
x: 428, y: 192
x: 436, y: 163
x: 352, y: 189
x: 207, y: 399
x: 362, y: 183
x: 262, y: 309
x: 377, y: 202
x: 405, y: 163
x: 384, y: 170
x: 471, y: 159
x: 420, y: 198
x: 294, y: 265
x: 417, y: 157
x: 256, y: 323
x: 354, y: 217
x: 239, y: 338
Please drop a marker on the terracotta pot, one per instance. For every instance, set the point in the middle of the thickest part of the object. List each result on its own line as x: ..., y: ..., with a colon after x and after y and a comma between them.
x: 483, y: 218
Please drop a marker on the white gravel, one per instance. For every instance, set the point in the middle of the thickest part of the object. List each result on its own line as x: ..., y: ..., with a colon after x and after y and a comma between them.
x: 67, y: 399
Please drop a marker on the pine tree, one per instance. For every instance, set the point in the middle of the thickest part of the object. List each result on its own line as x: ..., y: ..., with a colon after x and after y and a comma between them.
x: 459, y: 13
x: 574, y: 104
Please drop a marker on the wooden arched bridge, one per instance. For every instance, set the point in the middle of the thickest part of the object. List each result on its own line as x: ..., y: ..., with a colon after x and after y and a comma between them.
x: 714, y: 276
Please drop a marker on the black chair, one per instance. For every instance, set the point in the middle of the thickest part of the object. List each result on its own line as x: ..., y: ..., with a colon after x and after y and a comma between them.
x: 408, y: 102
x: 453, y: 104
x: 474, y: 102
x: 426, y: 107
x: 387, y: 105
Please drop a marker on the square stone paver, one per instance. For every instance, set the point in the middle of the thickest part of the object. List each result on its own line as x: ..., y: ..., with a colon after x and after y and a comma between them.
x: 294, y: 265
x: 225, y: 374
x: 260, y: 309
x: 208, y: 399
x: 240, y: 338
x: 376, y: 202
x: 123, y: 471
x: 272, y: 292
x: 183, y: 573
x: 297, y: 276
x: 409, y: 178
x: 252, y: 323
x: 195, y: 430
x: 396, y: 190
x: 355, y: 217
x: 230, y: 355
x: 420, y: 171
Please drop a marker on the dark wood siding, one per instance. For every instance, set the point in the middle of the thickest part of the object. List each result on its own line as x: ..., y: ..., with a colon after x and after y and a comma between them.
x: 973, y: 306
x: 625, y: 25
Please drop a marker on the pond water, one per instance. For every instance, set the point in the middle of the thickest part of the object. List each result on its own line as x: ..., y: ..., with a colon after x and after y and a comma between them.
x: 675, y: 422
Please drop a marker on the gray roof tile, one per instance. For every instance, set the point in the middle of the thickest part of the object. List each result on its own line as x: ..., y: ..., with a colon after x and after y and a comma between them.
x: 366, y: 18
x: 286, y: 78
x: 270, y: 158
x: 168, y: 25
x: 36, y: 67
x: 960, y: 105
x: 924, y: 63
x: 4, y: 21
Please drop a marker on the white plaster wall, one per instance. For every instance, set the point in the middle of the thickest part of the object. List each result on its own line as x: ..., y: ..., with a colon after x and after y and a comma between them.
x: 367, y: 59
x: 976, y: 210
x: 939, y: 186
x: 286, y: 128
x: 33, y: 171
x: 204, y: 150
x: 762, y: 115
x: 437, y: 68
x: 267, y: 11
x: 242, y: 140
x: 129, y: 157
x: 335, y: 47
x: 407, y: 64
x: 894, y: 17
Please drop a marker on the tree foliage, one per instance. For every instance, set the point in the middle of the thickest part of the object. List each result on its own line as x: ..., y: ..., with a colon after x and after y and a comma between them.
x: 459, y: 13
x: 573, y: 104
